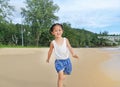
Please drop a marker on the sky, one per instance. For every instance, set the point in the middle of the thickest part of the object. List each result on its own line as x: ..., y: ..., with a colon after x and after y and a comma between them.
x: 93, y: 15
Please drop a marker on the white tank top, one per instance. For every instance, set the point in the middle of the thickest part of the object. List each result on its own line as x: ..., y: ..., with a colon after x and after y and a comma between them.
x: 61, y: 51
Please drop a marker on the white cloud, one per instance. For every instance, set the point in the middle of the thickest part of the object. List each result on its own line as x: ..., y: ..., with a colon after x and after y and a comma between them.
x: 87, y: 5
x: 97, y: 4
x: 114, y: 32
x: 90, y: 14
x: 17, y: 4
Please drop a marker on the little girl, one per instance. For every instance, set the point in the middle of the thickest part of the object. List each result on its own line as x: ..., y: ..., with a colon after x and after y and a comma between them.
x: 61, y: 48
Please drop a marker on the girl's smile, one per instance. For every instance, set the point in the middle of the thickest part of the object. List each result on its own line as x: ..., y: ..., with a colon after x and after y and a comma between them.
x: 57, y: 32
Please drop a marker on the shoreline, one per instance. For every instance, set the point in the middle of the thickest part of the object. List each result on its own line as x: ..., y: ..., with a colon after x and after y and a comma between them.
x: 111, y: 67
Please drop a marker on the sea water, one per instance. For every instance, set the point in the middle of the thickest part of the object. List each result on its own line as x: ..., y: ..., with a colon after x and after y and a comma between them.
x: 111, y: 67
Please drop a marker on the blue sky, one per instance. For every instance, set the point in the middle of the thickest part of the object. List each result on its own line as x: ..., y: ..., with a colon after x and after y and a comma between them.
x: 92, y: 15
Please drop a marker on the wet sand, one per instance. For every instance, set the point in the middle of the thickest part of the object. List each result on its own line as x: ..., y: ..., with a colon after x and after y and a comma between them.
x: 27, y: 67
x: 111, y: 67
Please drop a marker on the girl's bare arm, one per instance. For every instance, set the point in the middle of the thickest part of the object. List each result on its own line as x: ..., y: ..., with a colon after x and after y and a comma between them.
x: 71, y: 49
x: 50, y: 52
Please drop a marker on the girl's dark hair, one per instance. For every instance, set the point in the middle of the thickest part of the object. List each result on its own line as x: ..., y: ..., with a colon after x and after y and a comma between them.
x: 52, y: 27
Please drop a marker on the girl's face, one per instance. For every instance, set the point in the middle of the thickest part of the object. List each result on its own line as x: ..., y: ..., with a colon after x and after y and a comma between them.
x: 57, y: 31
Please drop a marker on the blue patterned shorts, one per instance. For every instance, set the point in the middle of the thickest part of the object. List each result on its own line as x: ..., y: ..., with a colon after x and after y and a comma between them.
x: 64, y: 65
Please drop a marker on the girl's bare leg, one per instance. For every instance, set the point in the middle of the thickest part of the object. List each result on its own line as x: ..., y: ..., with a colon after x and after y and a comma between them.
x: 61, y: 77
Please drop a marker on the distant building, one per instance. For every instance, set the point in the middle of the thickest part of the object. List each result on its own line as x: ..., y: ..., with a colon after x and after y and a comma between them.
x: 112, y: 39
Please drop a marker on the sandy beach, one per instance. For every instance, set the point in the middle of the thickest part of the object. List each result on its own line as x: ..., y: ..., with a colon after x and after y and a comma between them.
x: 27, y: 67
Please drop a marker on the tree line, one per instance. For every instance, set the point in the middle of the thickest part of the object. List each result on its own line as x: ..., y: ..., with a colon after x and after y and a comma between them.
x: 38, y: 16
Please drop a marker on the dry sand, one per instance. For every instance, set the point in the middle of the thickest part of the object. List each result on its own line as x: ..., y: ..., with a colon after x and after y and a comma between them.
x: 27, y: 67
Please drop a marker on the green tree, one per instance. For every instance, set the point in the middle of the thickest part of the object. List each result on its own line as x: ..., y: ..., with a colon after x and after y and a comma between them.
x: 5, y: 10
x: 39, y: 15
